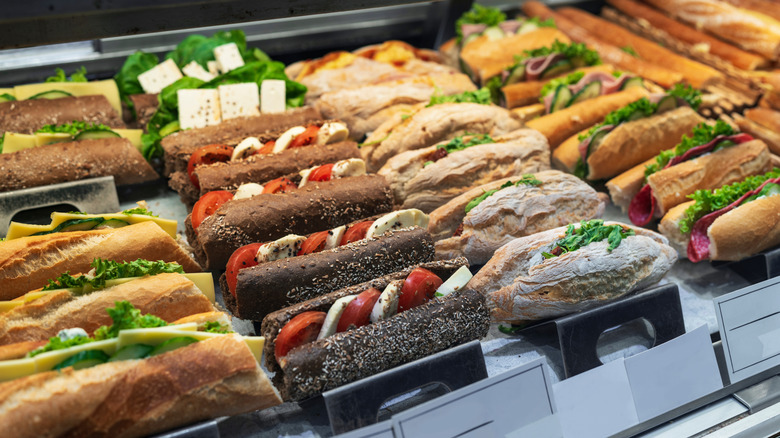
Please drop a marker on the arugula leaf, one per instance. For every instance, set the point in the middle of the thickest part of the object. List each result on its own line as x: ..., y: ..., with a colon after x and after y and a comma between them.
x: 589, y: 232
x: 552, y: 85
x: 541, y: 23
x: 127, y: 77
x: 702, y: 134
x: 216, y: 327
x: 572, y: 50
x: 688, y: 94
x: 73, y: 128
x: 481, y: 96
x: 126, y: 317
x: 630, y: 50
x: 109, y: 270
x: 457, y: 143
x: 79, y: 75
x: 478, y: 14
x: 708, y: 201
x: 139, y: 210
x: 618, y: 116
x: 55, y: 343
x: 527, y: 179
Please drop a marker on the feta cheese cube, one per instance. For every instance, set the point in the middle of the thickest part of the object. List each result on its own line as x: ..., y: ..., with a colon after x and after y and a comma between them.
x: 159, y: 77
x: 198, y: 108
x: 213, y: 67
x: 239, y: 100
x: 273, y: 97
x: 195, y: 70
x: 228, y: 57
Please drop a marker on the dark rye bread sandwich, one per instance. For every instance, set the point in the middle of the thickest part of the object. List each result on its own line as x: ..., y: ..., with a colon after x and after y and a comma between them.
x: 180, y: 145
x: 75, y: 160
x: 145, y: 106
x: 271, y: 286
x: 347, y: 356
x: 26, y: 116
x: 314, y: 207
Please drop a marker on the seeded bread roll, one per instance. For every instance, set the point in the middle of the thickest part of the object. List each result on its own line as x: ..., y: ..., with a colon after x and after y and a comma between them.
x: 270, y: 286
x: 27, y: 116
x: 314, y: 207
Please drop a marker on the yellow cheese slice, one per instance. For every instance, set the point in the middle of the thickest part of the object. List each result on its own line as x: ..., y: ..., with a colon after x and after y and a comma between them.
x: 7, y: 91
x: 159, y: 335
x: 47, y: 361
x: 134, y: 135
x: 16, y: 142
x: 107, y: 88
x: 14, y: 369
x: 17, y: 229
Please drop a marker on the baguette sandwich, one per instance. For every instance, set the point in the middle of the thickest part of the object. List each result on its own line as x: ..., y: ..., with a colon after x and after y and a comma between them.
x: 27, y: 116
x: 729, y: 223
x: 475, y: 224
x: 569, y: 269
x: 563, y: 92
x: 361, y: 330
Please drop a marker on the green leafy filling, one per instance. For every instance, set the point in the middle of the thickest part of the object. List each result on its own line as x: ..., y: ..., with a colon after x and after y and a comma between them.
x: 618, y: 116
x: 79, y: 75
x: 481, y: 96
x: 702, y: 134
x: 73, y: 128
x: 478, y: 14
x: 589, y: 232
x: 630, y: 50
x: 570, y: 51
x: 216, y: 327
x: 458, y: 144
x: 552, y: 85
x: 688, y: 94
x: 139, y: 210
x: 109, y: 270
x: 527, y: 179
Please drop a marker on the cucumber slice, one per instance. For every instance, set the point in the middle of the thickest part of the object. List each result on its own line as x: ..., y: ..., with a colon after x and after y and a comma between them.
x: 469, y: 39
x: 51, y: 94
x: 172, y: 344
x: 589, y: 91
x: 83, y: 359
x: 494, y: 33
x: 561, y: 99
x: 666, y: 103
x: 526, y: 27
x: 96, y: 133
x: 170, y: 128
x: 636, y: 115
x: 595, y: 142
x: 74, y: 225
x: 723, y: 145
x: 557, y: 69
x: 129, y: 352
x: 112, y: 223
x: 633, y: 82
x: 578, y: 62
x: 5, y: 97
x: 516, y: 75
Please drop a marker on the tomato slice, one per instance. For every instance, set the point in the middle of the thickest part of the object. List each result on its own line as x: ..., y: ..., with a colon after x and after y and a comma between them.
x: 241, y: 258
x: 419, y: 287
x: 321, y: 173
x: 305, y: 138
x: 207, y: 205
x: 358, y: 311
x: 279, y: 185
x: 267, y: 148
x: 314, y: 243
x: 208, y: 154
x: 356, y: 232
x: 301, y: 330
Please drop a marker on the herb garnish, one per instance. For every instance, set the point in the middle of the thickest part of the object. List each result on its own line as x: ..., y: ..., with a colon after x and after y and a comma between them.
x: 79, y: 75
x: 702, y: 134
x: 527, y: 179
x: 481, y: 96
x: 73, y: 128
x: 589, y: 232
x: 457, y: 143
x: 105, y: 270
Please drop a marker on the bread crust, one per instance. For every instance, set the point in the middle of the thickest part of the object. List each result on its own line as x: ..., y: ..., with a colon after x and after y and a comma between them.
x: 765, y: 117
x: 522, y: 286
x: 528, y: 92
x: 565, y: 156
x: 29, y: 262
x: 27, y: 116
x: 746, y: 230
x: 763, y: 6
x: 767, y: 135
x: 511, y: 213
x: 625, y: 186
x: 670, y: 228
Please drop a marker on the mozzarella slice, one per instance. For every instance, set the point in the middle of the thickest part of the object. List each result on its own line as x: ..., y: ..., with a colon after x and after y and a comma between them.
x: 273, y: 97
x: 247, y: 147
x: 334, y: 237
x: 457, y: 281
x: 284, y: 140
x: 287, y: 246
x: 305, y: 176
x: 198, y: 108
x: 154, y: 80
x: 228, y: 57
x: 398, y: 220
x: 387, y: 304
x: 333, y: 132
x: 195, y: 70
x: 348, y: 167
x: 332, y: 319
x: 247, y: 190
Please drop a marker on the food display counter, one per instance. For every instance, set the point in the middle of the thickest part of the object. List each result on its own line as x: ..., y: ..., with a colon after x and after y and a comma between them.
x: 518, y: 324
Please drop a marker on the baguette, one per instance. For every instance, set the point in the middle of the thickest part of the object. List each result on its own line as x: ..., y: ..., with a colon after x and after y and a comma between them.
x: 167, y: 296
x: 767, y: 134
x: 737, y: 57
x: 28, y: 263
x: 765, y: 117
x: 529, y: 92
x: 609, y: 53
x: 766, y: 7
x: 72, y: 161
x: 694, y: 73
x: 562, y: 124
x: 27, y: 116
x: 625, y: 186
x: 750, y: 30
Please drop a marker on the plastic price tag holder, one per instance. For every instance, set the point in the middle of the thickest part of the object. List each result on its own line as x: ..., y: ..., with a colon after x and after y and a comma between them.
x: 95, y: 195
x: 759, y: 267
x: 670, y: 375
x: 596, y: 403
x: 379, y: 430
x: 358, y: 404
x: 493, y: 407
x: 206, y: 429
x: 749, y: 324
x: 578, y: 334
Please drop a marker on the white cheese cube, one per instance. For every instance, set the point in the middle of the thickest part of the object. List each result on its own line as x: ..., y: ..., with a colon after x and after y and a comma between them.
x: 159, y: 77
x: 239, y: 100
x: 213, y: 67
x: 198, y: 108
x: 228, y: 57
x: 273, y: 96
x: 195, y: 70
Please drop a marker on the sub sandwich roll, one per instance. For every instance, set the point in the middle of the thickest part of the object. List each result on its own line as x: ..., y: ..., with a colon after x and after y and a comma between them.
x: 527, y: 93
x: 414, y: 313
x: 729, y: 223
x: 630, y: 135
x: 427, y: 178
x: 561, y: 93
x: 28, y: 263
x: 766, y: 134
x: 475, y: 224
x: 26, y: 116
x: 314, y: 207
x: 569, y: 269
x: 766, y: 7
x: 72, y: 161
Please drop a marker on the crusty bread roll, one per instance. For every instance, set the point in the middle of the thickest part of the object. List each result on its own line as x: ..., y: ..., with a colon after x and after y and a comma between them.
x: 27, y: 116
x: 511, y: 213
x: 167, y: 296
x: 528, y: 92
x: 625, y: 186
x: 522, y: 286
x: 669, y: 226
x: 768, y: 135
x: 133, y: 398
x: 416, y: 185
x: 765, y: 117
x: 434, y: 124
x: 30, y: 262
x: 562, y: 124
x: 766, y: 7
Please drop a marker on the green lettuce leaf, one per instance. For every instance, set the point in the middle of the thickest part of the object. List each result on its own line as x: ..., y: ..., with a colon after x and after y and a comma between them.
x: 216, y: 327
x: 527, y: 179
x: 73, y: 128
x: 127, y: 77
x: 458, y: 144
x: 481, y: 96
x: 552, y: 85
x: 139, y: 210
x: 643, y: 105
x: 688, y: 94
x: 126, y: 317
x: 55, y: 343
x: 570, y: 51
x: 109, y: 270
x: 478, y: 14
x: 702, y: 134
x: 79, y: 75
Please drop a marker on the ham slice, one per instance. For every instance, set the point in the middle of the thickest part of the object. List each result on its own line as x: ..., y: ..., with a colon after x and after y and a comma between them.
x: 510, y: 26
x: 469, y: 29
x: 583, y: 147
x: 534, y: 67
x: 609, y: 85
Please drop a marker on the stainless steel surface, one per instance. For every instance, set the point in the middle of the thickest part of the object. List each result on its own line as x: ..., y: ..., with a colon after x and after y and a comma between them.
x: 699, y: 421
x: 758, y: 397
